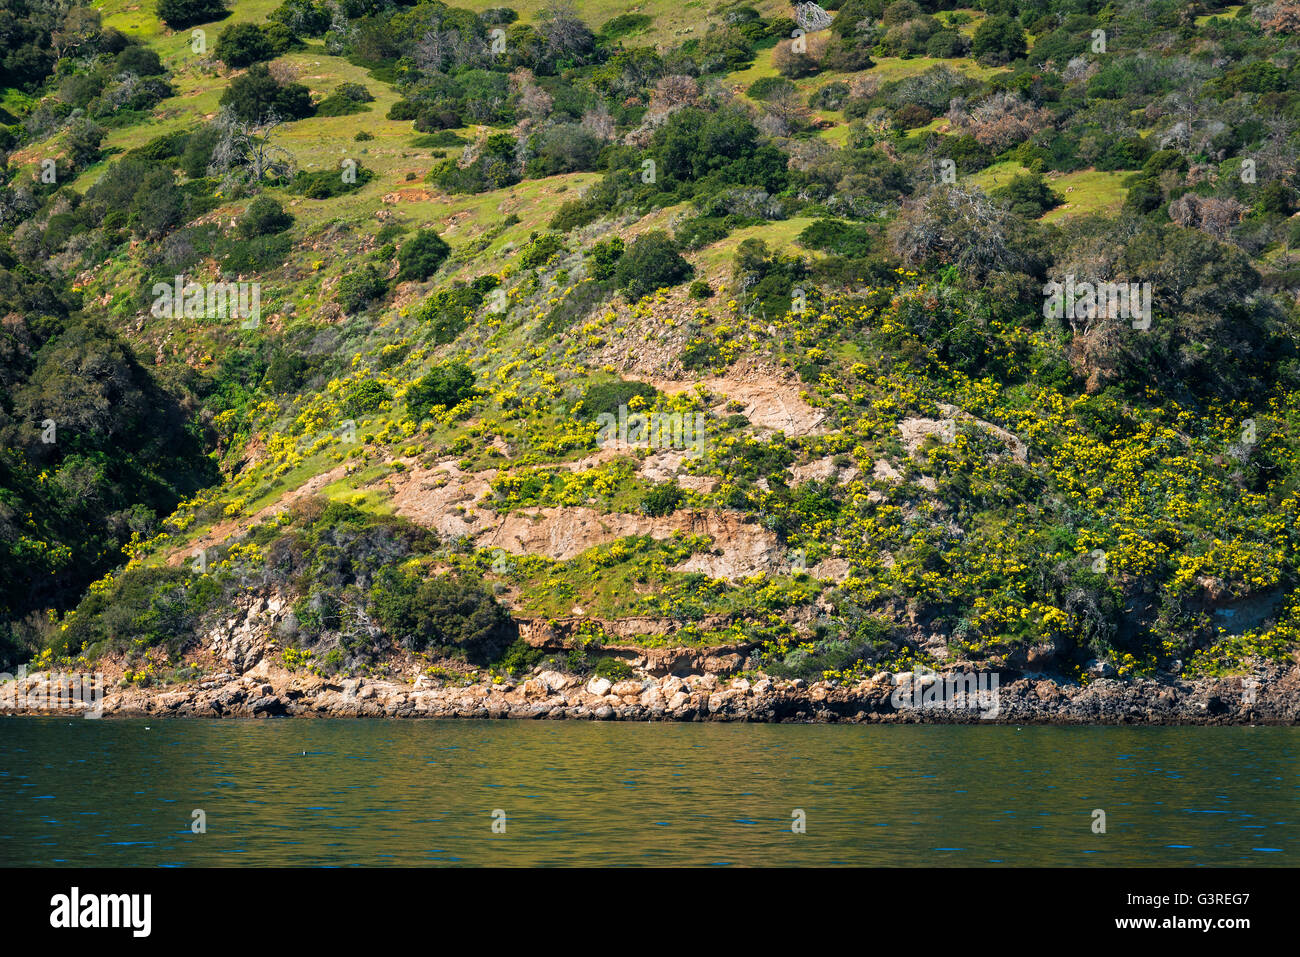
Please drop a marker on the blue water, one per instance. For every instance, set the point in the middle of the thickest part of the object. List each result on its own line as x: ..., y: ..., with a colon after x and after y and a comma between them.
x: 372, y: 792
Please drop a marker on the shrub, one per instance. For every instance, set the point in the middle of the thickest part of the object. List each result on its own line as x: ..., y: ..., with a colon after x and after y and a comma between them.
x: 326, y: 184
x: 606, y: 397
x: 650, y: 263
x: 366, y: 396
x: 998, y: 39
x: 700, y: 289
x: 604, y: 257
x: 257, y: 94
x: 359, y: 289
x: 539, y: 250
x: 662, y: 499
x: 446, y: 613
x: 422, y: 255
x: 447, y: 384
x: 263, y: 217
x: 612, y: 669
x: 242, y: 44
x: 184, y: 13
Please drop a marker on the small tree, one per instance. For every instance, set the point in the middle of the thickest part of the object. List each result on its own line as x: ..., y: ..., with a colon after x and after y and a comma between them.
x: 447, y: 385
x: 178, y: 14
x: 241, y: 44
x: 421, y: 255
x: 998, y: 40
x: 264, y: 217
x: 650, y: 263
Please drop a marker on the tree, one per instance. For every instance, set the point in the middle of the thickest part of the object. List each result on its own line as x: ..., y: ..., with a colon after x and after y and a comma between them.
x: 447, y: 384
x: 421, y: 255
x: 650, y: 263
x: 241, y: 44
x: 264, y: 217
x: 998, y: 40
x: 238, y: 149
x: 178, y: 14
x: 257, y: 96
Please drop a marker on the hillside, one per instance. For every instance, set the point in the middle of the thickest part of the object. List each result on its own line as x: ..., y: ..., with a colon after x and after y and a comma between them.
x: 650, y: 329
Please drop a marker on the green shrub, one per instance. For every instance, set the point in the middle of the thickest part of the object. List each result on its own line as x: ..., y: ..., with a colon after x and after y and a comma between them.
x: 612, y: 669
x: 539, y: 250
x: 422, y: 255
x: 357, y: 290
x: 662, y: 499
x: 447, y: 384
x: 241, y: 44
x: 178, y: 14
x: 651, y: 262
x: 606, y: 397
x: 364, y: 397
x: 263, y: 217
x: 447, y: 613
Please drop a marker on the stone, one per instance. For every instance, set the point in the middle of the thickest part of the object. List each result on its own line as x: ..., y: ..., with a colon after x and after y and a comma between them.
x: 599, y: 687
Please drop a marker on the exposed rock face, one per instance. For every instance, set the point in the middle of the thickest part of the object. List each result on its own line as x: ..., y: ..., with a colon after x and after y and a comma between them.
x: 1269, y: 697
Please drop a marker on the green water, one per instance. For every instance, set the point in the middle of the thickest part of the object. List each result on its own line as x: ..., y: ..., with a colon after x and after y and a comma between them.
x: 117, y: 792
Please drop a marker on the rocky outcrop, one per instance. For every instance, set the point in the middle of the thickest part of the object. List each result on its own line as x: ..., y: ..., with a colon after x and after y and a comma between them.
x: 1270, y: 697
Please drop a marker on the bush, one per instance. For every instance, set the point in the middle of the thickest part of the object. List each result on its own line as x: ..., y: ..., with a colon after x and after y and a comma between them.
x: 606, y: 397
x: 612, y: 669
x: 447, y: 384
x: 184, y: 13
x: 446, y: 613
x: 539, y: 250
x: 242, y: 44
x: 422, y: 255
x: 257, y: 94
x: 998, y: 40
x: 700, y: 289
x: 1028, y: 195
x: 365, y: 397
x: 662, y: 499
x: 347, y: 98
x: 650, y: 263
x: 263, y: 217
x: 359, y: 289
x: 326, y: 184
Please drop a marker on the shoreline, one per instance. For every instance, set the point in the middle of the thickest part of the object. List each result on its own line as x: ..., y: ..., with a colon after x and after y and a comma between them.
x: 1272, y: 698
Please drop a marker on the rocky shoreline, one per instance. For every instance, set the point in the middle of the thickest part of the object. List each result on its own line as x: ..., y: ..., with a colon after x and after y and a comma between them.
x: 1272, y: 696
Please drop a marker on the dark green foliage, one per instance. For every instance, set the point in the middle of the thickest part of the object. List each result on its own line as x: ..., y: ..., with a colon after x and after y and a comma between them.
x: 447, y: 384
x: 998, y: 39
x: 263, y: 217
x: 612, y: 669
x: 357, y: 290
x: 421, y: 255
x: 347, y: 98
x: 604, y: 257
x: 241, y: 44
x: 662, y: 499
x: 256, y: 95
x: 539, y: 250
x: 650, y: 263
x: 326, y: 184
x: 365, y: 397
x: 178, y: 14
x: 606, y: 397
x: 446, y: 613
x: 1028, y: 195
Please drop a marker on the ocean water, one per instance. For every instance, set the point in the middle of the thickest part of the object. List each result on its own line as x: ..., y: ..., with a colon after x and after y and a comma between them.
x: 521, y: 793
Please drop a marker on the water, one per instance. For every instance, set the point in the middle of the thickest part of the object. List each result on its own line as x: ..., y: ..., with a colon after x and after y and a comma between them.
x: 122, y: 792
